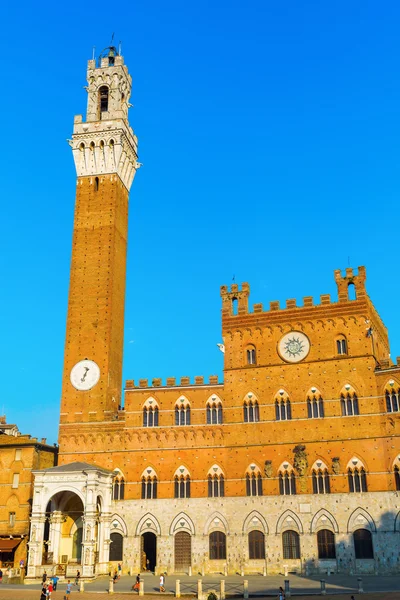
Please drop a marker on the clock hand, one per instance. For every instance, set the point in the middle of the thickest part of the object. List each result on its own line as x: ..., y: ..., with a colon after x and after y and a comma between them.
x: 84, y: 376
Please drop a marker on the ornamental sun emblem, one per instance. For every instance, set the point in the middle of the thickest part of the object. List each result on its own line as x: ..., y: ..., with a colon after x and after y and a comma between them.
x: 294, y: 346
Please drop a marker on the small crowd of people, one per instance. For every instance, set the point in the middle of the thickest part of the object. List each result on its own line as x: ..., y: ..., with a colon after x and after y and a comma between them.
x: 51, y: 586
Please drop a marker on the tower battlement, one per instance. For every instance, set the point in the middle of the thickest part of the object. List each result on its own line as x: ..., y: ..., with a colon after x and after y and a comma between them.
x: 235, y: 299
x: 157, y: 382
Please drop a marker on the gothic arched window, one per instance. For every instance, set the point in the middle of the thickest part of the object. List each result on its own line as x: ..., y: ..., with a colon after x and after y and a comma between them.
x: 287, y: 481
x: 149, y: 484
x: 251, y: 357
x: 357, y: 477
x: 315, y: 406
x: 320, y: 478
x: 291, y: 544
x: 251, y: 410
x: 253, y: 482
x: 150, y: 413
x: 217, y: 545
x: 256, y: 545
x: 392, y: 398
x: 283, y: 408
x: 363, y: 547
x: 341, y: 345
x: 349, y: 404
x: 326, y: 544
x: 216, y: 483
x: 182, y: 412
x: 119, y: 487
x: 214, y: 411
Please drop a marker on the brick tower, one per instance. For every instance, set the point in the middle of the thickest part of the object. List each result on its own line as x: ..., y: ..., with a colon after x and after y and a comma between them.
x: 105, y: 154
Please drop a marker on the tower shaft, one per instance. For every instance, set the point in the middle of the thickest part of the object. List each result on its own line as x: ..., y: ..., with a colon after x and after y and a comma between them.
x: 105, y: 154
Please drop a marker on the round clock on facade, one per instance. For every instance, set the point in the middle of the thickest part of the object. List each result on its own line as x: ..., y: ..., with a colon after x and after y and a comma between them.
x: 85, y: 374
x: 293, y: 346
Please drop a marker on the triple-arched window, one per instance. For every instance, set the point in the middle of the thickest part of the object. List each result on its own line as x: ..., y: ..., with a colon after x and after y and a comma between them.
x: 149, y: 484
x: 150, y: 413
x: 182, y: 484
x: 214, y: 411
x: 182, y: 412
x: 315, y: 405
x: 291, y: 544
x: 287, y: 480
x: 283, y: 408
x: 251, y: 410
x: 216, y: 483
x: 349, y: 404
x: 356, y: 476
x: 392, y: 397
x: 320, y: 480
x: 254, y: 482
x: 119, y: 487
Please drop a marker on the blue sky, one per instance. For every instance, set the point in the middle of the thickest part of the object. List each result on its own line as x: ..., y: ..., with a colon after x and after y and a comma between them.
x: 269, y: 133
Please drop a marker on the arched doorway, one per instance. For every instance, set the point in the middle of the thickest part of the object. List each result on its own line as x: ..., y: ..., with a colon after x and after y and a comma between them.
x: 183, y: 551
x: 64, y: 529
x: 149, y: 551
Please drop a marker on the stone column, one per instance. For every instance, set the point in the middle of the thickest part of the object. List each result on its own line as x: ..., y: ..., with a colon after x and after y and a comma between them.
x: 35, y: 545
x: 88, y: 545
x: 56, y: 520
x: 103, y: 543
x: 177, y: 588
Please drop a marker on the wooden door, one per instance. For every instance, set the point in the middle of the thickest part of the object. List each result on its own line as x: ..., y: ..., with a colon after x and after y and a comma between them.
x: 183, y: 552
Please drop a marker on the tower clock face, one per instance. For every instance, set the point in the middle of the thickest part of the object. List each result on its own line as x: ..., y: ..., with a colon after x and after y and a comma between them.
x: 84, y: 375
x: 294, y: 346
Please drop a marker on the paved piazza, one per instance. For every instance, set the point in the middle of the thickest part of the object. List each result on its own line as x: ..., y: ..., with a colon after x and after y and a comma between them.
x: 339, y: 586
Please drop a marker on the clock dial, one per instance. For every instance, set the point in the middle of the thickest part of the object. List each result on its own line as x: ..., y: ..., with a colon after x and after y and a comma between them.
x: 84, y: 375
x: 294, y: 347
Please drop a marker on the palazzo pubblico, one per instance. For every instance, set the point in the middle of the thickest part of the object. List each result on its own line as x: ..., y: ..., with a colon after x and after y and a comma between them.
x: 292, y: 460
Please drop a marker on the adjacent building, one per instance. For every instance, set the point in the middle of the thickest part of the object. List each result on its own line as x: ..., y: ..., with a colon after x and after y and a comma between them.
x: 19, y: 455
x: 292, y: 460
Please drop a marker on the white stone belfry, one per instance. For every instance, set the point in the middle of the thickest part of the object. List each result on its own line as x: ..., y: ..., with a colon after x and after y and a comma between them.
x: 105, y: 143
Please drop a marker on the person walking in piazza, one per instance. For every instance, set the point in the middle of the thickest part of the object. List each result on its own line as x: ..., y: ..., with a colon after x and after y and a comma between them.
x: 77, y: 578
x: 281, y: 595
x: 137, y: 584
x: 49, y: 590
x: 68, y: 590
x: 43, y: 593
x: 162, y: 582
x: 119, y: 570
x: 55, y: 581
x: 44, y: 577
